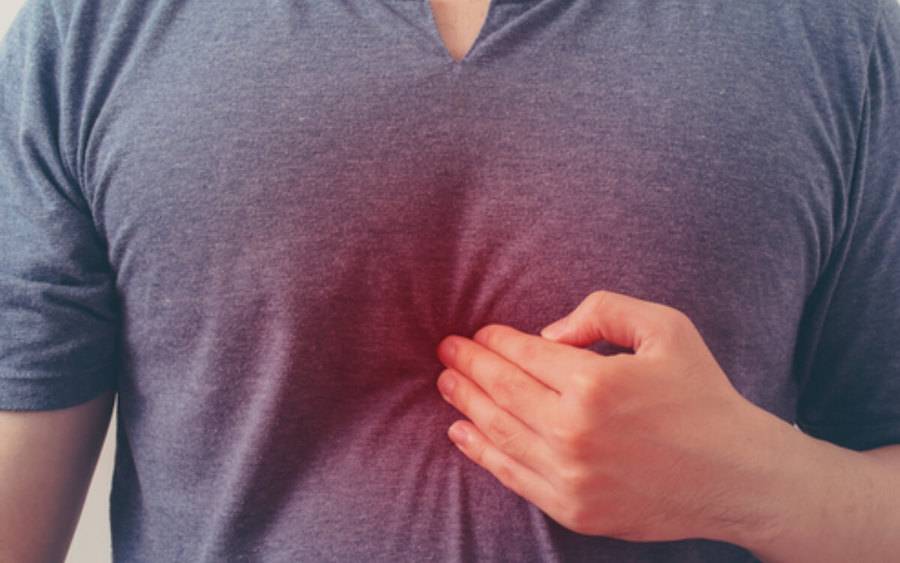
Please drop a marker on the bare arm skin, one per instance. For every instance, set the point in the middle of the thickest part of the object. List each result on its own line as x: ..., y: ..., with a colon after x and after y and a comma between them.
x: 835, y: 505
x: 47, y: 459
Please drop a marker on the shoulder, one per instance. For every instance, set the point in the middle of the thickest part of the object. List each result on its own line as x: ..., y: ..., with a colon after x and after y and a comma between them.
x: 843, y: 24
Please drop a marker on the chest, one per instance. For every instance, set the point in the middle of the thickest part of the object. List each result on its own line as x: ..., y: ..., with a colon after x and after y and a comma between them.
x: 380, y: 194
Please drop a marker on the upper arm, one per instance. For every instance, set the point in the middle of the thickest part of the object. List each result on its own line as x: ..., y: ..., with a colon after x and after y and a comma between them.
x: 58, y: 302
x: 46, y: 462
x: 59, y: 316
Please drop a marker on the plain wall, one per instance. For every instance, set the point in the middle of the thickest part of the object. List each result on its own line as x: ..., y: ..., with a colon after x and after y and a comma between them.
x: 91, y: 543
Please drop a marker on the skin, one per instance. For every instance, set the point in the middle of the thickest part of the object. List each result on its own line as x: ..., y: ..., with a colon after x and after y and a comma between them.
x: 657, y: 444
x: 46, y: 462
x: 458, y: 23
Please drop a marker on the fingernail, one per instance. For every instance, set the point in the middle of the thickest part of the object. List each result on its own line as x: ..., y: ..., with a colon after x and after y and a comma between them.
x: 449, y: 347
x: 554, y: 330
x: 446, y: 382
x: 458, y: 434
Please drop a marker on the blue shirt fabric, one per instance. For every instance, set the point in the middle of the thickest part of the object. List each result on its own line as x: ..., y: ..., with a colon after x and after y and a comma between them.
x: 256, y: 220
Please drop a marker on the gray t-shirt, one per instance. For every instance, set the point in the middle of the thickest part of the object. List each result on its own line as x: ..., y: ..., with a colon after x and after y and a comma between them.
x: 256, y: 220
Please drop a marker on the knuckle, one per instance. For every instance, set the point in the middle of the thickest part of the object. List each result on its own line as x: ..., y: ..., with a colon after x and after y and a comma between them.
x: 589, y: 385
x: 671, y: 325
x: 596, y: 298
x: 596, y: 390
x: 561, y: 434
x: 529, y: 350
x: 518, y: 449
x: 571, y: 439
x: 574, y: 478
x: 501, y: 431
x: 504, y: 388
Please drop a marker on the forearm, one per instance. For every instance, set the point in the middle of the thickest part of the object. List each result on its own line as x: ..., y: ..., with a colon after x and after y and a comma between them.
x: 826, y: 503
x: 46, y: 462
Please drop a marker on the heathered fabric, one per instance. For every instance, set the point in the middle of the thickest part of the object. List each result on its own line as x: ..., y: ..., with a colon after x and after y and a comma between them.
x: 256, y: 220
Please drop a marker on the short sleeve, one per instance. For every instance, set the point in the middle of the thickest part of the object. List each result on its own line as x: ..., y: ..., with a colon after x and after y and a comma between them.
x: 58, y: 312
x: 851, y: 394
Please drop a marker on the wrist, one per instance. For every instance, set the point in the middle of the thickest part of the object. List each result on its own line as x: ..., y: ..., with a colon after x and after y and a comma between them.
x: 777, y: 476
x: 806, y: 500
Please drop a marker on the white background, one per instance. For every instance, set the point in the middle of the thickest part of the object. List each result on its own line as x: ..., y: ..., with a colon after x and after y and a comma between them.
x: 91, y: 543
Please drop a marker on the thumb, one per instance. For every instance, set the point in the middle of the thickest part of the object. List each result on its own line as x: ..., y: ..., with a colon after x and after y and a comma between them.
x: 603, y: 315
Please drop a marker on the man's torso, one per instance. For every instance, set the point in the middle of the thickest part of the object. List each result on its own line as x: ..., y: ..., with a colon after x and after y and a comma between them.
x: 300, y: 199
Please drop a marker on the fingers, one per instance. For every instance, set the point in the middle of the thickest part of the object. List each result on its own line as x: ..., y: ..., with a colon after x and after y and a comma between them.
x: 506, y: 432
x: 552, y: 363
x: 511, y: 388
x: 623, y: 320
x: 512, y: 474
